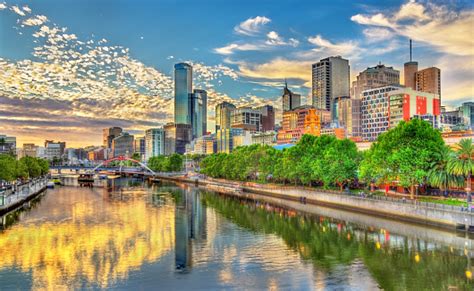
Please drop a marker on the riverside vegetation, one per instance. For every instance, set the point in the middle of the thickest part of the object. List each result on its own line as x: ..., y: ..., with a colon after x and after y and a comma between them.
x: 413, y: 154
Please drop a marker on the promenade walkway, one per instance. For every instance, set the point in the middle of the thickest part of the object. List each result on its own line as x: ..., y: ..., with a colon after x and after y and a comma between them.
x: 15, y: 195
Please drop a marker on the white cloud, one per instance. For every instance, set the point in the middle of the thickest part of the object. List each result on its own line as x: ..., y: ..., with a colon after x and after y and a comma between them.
x: 3, y: 6
x: 377, y: 20
x: 231, y: 48
x: 347, y: 48
x: 377, y: 34
x: 35, y: 20
x: 26, y: 9
x: 17, y: 10
x: 446, y: 30
x: 251, y: 26
x: 274, y: 39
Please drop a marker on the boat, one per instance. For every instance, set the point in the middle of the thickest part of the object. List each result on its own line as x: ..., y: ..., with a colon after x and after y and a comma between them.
x: 86, y: 178
x: 50, y: 185
x: 57, y: 182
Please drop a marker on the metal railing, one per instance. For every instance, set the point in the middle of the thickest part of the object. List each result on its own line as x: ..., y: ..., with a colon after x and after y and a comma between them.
x: 14, y: 193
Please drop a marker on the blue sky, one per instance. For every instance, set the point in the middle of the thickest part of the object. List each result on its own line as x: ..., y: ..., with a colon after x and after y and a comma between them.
x: 96, y: 63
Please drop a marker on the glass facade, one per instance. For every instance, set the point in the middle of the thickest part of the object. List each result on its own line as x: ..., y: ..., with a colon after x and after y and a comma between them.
x: 154, y: 142
x: 183, y: 84
x: 198, y: 108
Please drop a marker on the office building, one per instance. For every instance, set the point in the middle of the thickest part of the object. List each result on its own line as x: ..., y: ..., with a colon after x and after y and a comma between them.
x: 374, y: 77
x: 466, y: 111
x: 30, y: 150
x: 154, y: 142
x: 429, y: 80
x: 241, y: 138
x: 7, y: 144
x: 223, y: 115
x: 204, y: 145
x: 224, y: 139
x: 349, y: 116
x: 290, y: 100
x: 54, y: 150
x: 330, y: 82
x: 198, y: 108
x: 405, y: 103
x: 268, y: 118
x: 375, y: 112
x: 139, y: 146
x: 183, y: 86
x: 109, y: 134
x: 246, y: 118
x: 176, y: 138
x: 122, y: 145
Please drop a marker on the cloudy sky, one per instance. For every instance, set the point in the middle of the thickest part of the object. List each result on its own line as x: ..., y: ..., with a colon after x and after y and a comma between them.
x: 72, y: 67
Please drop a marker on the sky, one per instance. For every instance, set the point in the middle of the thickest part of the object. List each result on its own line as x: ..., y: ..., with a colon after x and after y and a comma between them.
x: 72, y: 67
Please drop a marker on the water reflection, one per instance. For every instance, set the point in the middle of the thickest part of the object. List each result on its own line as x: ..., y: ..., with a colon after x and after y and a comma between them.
x: 129, y: 235
x: 81, y: 239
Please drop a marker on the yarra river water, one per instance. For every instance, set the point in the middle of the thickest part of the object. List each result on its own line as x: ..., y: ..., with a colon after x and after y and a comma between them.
x: 131, y: 235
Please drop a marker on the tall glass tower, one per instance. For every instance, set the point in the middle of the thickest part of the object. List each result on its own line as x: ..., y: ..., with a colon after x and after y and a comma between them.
x: 183, y: 86
x: 199, y: 112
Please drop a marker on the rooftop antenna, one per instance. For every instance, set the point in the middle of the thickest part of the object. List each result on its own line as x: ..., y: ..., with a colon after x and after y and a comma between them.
x: 286, y: 84
x: 410, y: 50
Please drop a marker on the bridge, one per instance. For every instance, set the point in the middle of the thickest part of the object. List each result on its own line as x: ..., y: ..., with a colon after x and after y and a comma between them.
x: 141, y: 169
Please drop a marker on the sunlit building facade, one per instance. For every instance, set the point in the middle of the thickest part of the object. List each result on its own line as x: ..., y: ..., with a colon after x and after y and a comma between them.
x: 183, y: 86
x: 154, y: 142
x: 223, y: 115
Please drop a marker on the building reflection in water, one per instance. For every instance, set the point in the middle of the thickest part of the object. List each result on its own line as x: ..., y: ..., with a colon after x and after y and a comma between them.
x: 190, y: 225
x: 87, y: 239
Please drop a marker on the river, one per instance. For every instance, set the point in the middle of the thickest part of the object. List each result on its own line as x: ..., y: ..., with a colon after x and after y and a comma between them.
x: 132, y: 235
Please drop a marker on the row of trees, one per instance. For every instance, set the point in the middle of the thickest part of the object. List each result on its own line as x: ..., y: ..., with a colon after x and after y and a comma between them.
x: 24, y: 168
x: 173, y: 163
x: 411, y: 154
x: 321, y: 160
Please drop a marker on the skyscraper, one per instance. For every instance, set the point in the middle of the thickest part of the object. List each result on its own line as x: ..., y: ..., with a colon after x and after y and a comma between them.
x: 290, y: 100
x: 109, y: 134
x: 223, y: 115
x: 183, y: 86
x: 268, y: 117
x: 198, y: 114
x: 330, y: 79
x: 374, y: 77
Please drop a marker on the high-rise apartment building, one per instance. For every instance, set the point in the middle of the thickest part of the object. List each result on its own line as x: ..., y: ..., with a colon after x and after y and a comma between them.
x: 349, y: 116
x: 198, y: 108
x: 290, y: 100
x: 109, y: 134
x: 183, y: 87
x: 466, y: 112
x: 429, y: 80
x: 268, y: 118
x: 123, y: 145
x: 246, y: 118
x: 330, y: 82
x: 154, y: 142
x: 375, y: 112
x: 295, y: 123
x: 223, y: 115
x: 374, y: 77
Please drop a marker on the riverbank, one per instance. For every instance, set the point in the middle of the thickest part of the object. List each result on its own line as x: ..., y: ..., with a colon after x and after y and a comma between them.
x: 425, y: 213
x: 14, y: 197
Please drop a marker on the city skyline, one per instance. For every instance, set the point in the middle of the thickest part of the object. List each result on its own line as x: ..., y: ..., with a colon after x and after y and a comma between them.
x: 62, y: 84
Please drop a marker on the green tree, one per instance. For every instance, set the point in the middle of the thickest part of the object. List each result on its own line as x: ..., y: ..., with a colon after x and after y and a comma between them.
x: 439, y: 175
x: 175, y: 163
x: 7, y: 168
x: 136, y: 156
x: 462, y: 163
x: 404, y: 154
x: 32, y: 166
